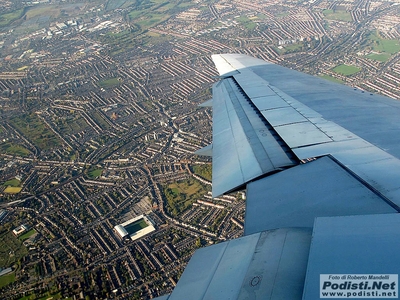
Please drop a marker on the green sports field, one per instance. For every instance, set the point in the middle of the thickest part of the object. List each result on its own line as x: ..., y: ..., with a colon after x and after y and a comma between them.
x: 346, y: 70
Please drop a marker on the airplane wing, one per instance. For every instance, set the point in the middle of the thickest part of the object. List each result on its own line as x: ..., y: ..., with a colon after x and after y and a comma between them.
x: 320, y: 165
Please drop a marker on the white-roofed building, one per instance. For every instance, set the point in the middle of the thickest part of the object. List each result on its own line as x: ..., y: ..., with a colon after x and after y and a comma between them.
x: 135, y: 228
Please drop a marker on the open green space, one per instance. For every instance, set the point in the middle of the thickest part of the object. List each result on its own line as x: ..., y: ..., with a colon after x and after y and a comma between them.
x: 36, y: 131
x: 48, y: 296
x: 142, y: 15
x: 111, y: 82
x: 293, y: 47
x: 204, y: 171
x: 187, y: 4
x: 151, y: 20
x: 134, y: 14
x: 127, y: 3
x: 12, y: 190
x: 330, y: 78
x: 188, y: 188
x: 282, y: 14
x: 383, y: 57
x: 7, y: 279
x: 95, y: 173
x: 121, y: 41
x: 71, y: 123
x: 54, y: 11
x: 52, y: 297
x: 247, y: 22
x: 379, y: 44
x: 27, y: 235
x: 261, y: 16
x: 337, y: 15
x: 8, y: 18
x: 13, y: 149
x: 182, y: 194
x: 135, y: 227
x: 12, y: 182
x: 346, y: 70
x: 43, y: 10
x: 99, y: 119
x: 11, y: 249
x: 149, y: 13
x: 114, y: 4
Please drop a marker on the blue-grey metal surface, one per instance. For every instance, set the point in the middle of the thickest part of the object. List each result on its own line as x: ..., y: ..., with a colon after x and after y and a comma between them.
x: 229, y: 276
x: 199, y: 273
x: 371, y: 117
x: 165, y: 297
x: 302, y: 134
x: 310, y: 130
x: 373, y: 165
x: 243, y: 146
x: 283, y: 116
x: 223, y: 67
x: 270, y: 102
x: 295, y: 197
x: 268, y: 265
x: 231, y: 151
x: 205, y: 151
x: 278, y: 265
x: 262, y: 111
x: 352, y: 245
x: 208, y: 103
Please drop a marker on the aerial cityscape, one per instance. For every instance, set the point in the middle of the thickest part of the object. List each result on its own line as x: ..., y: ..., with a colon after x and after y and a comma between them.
x: 101, y: 194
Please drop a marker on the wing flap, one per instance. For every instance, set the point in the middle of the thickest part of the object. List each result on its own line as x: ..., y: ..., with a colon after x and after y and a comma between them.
x: 244, y: 148
x: 300, y: 194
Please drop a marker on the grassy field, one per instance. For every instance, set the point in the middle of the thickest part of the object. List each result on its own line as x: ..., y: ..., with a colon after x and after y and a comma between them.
x: 186, y: 187
x: 151, y: 20
x: 71, y: 124
x: 293, y: 47
x: 27, y: 235
x: 95, y: 173
x: 330, y: 78
x: 204, y: 171
x: 337, y: 15
x: 114, y: 4
x: 12, y: 190
x: 261, y: 16
x: 13, y: 149
x: 383, y: 57
x: 379, y: 44
x: 282, y: 14
x: 132, y: 228
x: 11, y: 250
x: 6, y: 279
x: 182, y: 194
x: 36, y: 131
x: 99, y: 119
x: 142, y: 15
x: 246, y: 22
x: 8, y: 18
x: 48, y: 10
x: 49, y: 296
x: 346, y: 70
x: 22, y: 68
x: 12, y: 182
x: 108, y: 83
x: 54, y: 11
x: 121, y: 41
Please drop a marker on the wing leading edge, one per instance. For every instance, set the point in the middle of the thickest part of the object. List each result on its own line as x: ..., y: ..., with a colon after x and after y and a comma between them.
x: 319, y: 178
